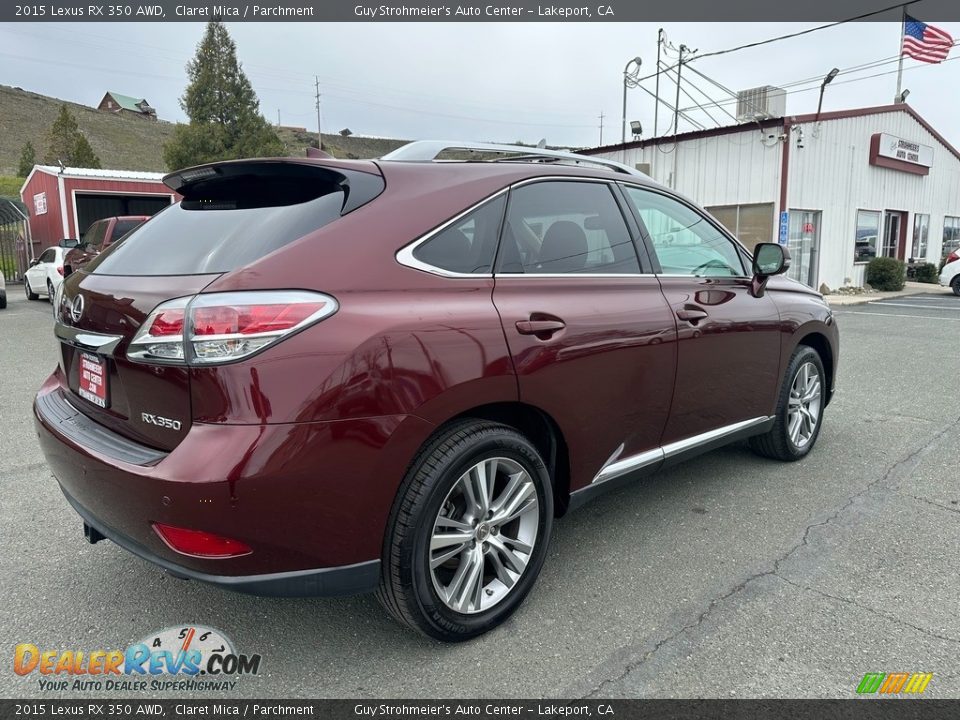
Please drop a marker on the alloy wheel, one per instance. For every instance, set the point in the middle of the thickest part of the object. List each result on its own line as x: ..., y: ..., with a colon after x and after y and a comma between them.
x: 484, y: 535
x: 803, y: 407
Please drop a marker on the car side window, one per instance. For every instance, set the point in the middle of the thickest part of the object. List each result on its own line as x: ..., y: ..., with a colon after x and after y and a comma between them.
x: 566, y: 227
x: 468, y: 245
x: 48, y: 256
x: 94, y: 235
x: 685, y: 242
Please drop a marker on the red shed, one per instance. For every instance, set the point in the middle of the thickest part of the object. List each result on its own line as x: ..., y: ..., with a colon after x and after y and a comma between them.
x: 63, y: 202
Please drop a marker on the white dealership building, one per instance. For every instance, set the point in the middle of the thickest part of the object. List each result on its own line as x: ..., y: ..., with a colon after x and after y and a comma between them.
x: 839, y: 188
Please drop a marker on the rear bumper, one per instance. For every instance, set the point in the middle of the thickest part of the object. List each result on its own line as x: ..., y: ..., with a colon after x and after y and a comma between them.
x: 312, y: 500
x: 346, y: 580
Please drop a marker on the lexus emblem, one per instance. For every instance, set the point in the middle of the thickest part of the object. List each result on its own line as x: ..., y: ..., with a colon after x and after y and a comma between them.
x: 76, y: 308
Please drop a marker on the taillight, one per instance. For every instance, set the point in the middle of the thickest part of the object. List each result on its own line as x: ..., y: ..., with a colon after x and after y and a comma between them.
x: 198, y: 543
x: 224, y: 327
x: 60, y: 270
x: 952, y: 257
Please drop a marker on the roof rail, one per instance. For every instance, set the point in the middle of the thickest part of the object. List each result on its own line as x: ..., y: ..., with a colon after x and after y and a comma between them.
x: 429, y: 150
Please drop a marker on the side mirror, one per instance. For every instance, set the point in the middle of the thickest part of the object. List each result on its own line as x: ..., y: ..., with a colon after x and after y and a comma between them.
x: 768, y: 259
x: 34, y: 263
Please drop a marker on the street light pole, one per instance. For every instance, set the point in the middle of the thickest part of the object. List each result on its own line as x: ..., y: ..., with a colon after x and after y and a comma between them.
x: 826, y: 81
x: 628, y: 80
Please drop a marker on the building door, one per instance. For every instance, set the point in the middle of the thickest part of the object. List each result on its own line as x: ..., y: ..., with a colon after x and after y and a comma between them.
x: 804, y: 244
x: 894, y: 234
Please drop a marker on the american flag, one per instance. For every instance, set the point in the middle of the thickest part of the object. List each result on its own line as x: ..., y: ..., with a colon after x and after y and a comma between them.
x: 924, y: 42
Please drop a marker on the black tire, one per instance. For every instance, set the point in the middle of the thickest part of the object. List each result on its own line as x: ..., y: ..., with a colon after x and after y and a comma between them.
x: 777, y: 443
x: 407, y: 588
x: 955, y: 285
x: 31, y: 295
x: 50, y: 292
x: 3, y: 300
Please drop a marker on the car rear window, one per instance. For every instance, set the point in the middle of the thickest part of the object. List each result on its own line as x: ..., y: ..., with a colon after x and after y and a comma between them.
x: 123, y: 227
x: 235, y: 218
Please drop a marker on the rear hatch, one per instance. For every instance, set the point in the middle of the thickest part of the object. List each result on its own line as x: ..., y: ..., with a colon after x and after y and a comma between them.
x: 231, y: 215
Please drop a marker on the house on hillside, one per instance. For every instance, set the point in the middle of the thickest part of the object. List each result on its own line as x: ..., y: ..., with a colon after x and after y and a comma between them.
x: 126, y: 105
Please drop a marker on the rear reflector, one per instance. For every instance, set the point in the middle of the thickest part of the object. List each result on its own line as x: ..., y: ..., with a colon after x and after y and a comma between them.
x: 224, y: 327
x: 198, y: 543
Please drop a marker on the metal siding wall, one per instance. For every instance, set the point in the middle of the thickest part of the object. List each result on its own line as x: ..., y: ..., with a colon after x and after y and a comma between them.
x: 732, y: 169
x: 832, y: 173
x: 45, y: 229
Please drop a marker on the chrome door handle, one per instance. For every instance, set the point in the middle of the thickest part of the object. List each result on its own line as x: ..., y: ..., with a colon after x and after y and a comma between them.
x: 692, y: 314
x: 539, y: 327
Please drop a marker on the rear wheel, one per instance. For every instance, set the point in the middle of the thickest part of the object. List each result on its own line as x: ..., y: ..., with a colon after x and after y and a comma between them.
x: 799, y: 409
x: 955, y: 285
x: 468, y: 533
x: 31, y: 295
x: 50, y: 292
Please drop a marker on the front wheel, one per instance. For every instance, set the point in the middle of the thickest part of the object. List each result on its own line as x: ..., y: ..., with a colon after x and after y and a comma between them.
x: 31, y: 295
x: 468, y: 533
x: 799, y: 409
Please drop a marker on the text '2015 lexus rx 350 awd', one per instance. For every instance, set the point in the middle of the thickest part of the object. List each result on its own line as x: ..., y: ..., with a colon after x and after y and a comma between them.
x: 322, y: 377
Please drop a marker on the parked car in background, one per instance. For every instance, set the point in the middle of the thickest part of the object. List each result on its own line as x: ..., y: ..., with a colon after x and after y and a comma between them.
x: 98, y: 237
x: 45, y: 274
x: 323, y: 377
x: 3, y: 292
x: 950, y: 274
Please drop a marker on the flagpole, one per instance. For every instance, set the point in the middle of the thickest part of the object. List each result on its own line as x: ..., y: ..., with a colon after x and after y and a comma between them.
x: 903, y: 30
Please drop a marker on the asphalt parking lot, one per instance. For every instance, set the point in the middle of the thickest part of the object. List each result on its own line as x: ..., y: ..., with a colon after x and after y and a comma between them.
x: 729, y: 576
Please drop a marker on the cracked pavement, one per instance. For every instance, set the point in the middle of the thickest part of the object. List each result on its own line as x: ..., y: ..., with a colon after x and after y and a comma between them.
x: 728, y: 576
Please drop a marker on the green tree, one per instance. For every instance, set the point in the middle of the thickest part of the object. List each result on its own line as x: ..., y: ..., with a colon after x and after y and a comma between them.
x: 83, y: 155
x: 66, y: 144
x: 28, y: 158
x: 224, y: 112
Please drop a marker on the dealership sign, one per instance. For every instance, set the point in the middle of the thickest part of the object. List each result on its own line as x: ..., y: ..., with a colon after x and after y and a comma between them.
x: 898, y: 153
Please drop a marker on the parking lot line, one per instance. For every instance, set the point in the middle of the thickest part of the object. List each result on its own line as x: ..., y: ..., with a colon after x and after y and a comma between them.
x: 898, y: 315
x: 909, y: 305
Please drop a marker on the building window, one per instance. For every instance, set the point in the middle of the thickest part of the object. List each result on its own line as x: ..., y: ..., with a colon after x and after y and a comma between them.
x: 868, y: 230
x: 951, y: 235
x: 921, y: 233
x: 750, y: 224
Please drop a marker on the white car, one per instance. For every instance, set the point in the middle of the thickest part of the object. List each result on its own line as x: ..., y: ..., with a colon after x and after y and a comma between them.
x: 950, y: 275
x: 45, y: 274
x: 3, y: 292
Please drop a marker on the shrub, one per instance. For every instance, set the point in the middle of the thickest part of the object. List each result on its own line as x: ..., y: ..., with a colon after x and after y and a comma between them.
x: 926, y: 273
x: 885, y: 273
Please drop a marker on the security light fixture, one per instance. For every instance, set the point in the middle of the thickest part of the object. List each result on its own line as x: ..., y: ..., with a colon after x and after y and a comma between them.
x: 630, y: 79
x: 636, y: 128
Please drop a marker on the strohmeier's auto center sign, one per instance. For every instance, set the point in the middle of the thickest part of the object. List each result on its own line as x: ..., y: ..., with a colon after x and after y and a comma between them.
x: 898, y: 153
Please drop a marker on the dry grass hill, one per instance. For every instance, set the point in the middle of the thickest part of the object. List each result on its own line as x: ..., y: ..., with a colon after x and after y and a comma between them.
x: 130, y: 143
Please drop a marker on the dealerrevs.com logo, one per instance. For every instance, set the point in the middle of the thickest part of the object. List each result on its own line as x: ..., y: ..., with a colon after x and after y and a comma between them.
x: 184, y: 658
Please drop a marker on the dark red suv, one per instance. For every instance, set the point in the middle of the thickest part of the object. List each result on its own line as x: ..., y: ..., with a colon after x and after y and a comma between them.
x: 319, y: 377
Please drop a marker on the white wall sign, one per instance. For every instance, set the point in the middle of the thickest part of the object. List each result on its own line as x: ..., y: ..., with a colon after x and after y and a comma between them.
x: 40, y: 203
x: 908, y: 151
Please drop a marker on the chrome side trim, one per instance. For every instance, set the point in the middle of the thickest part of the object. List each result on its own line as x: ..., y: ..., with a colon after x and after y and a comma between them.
x: 680, y: 446
x: 95, y: 342
x: 628, y: 464
x: 616, y: 469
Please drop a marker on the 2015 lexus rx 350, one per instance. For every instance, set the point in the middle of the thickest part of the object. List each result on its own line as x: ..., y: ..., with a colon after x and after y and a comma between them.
x: 320, y: 377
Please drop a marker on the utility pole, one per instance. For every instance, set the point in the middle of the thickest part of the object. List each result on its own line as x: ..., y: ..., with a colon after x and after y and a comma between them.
x: 601, y: 128
x: 278, y: 117
x: 316, y: 85
x: 656, y: 105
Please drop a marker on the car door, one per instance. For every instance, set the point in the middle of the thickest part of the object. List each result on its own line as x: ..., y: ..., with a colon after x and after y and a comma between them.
x: 37, y: 275
x: 591, y: 336
x: 729, y: 340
